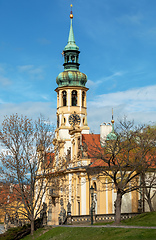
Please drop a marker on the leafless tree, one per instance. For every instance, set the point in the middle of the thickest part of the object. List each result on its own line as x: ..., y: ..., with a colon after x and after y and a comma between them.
x: 148, y: 188
x: 25, y: 159
x: 148, y: 178
x: 123, y: 159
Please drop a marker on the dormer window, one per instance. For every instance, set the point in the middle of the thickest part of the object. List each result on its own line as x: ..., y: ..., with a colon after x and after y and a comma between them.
x: 74, y: 98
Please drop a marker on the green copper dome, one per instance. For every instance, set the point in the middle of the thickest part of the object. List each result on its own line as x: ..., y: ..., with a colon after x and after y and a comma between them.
x: 71, y: 78
x: 111, y: 136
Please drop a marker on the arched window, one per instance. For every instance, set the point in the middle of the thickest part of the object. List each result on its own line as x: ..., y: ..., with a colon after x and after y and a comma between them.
x: 83, y: 99
x: 74, y: 98
x: 67, y: 59
x: 57, y: 99
x: 94, y: 186
x: 64, y: 98
x: 83, y: 120
x: 73, y: 58
x: 57, y: 121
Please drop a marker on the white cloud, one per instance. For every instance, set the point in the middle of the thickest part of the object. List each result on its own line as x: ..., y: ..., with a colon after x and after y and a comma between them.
x: 44, y: 41
x: 116, y: 74
x: 105, y: 79
x: 25, y: 68
x: 32, y: 71
x: 131, y: 18
x: 2, y: 71
x: 138, y: 98
x: 45, y: 97
x: 91, y: 83
x: 5, y: 81
x: 138, y: 104
x: 30, y: 109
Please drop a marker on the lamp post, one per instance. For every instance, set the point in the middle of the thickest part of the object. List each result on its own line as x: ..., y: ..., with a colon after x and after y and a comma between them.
x: 92, y: 196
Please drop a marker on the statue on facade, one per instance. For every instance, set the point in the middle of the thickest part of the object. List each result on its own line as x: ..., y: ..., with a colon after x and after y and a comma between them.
x: 61, y: 202
x: 43, y: 213
x: 62, y: 214
x: 69, y: 154
x: 79, y: 153
x: 115, y: 206
x: 85, y: 149
x: 6, y: 220
x: 139, y: 205
x: 69, y: 209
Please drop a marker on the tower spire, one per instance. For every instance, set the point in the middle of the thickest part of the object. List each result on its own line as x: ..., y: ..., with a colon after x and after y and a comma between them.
x: 112, y: 122
x: 112, y: 135
x: 112, y: 114
x: 71, y: 39
x: 71, y: 76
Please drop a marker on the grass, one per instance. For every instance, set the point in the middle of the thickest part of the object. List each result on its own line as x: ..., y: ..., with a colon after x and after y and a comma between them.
x: 144, y: 219
x: 69, y: 233
x: 39, y: 232
x: 11, y: 233
x: 100, y: 233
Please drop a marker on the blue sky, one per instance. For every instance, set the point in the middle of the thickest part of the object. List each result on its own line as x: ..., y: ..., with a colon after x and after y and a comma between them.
x: 117, y: 40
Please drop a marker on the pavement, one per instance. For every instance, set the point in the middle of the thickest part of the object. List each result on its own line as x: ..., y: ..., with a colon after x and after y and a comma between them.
x: 105, y: 226
x: 2, y: 228
x: 93, y: 226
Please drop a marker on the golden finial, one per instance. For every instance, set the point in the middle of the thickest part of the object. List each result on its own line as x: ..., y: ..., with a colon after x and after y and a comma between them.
x: 112, y: 117
x: 71, y: 13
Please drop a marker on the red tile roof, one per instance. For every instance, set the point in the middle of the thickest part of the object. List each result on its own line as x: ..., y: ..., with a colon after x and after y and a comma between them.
x: 94, y: 149
x: 93, y: 144
x: 99, y: 158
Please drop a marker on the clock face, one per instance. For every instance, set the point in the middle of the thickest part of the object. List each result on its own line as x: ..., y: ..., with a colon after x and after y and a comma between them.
x: 74, y: 119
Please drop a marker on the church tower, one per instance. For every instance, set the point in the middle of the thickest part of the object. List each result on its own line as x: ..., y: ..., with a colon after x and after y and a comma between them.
x: 71, y: 96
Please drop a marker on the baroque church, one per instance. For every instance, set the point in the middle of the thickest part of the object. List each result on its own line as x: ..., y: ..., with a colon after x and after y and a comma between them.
x: 71, y: 192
